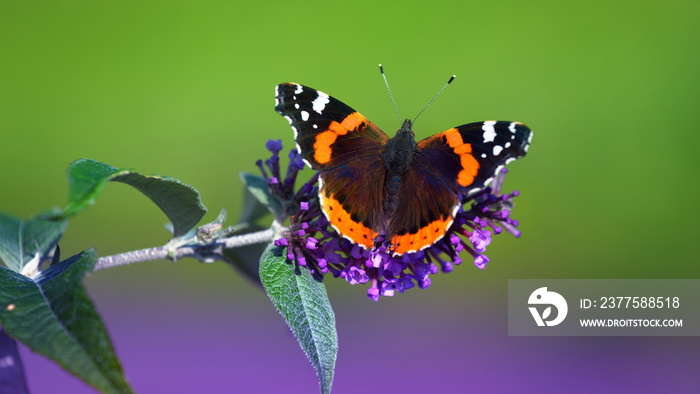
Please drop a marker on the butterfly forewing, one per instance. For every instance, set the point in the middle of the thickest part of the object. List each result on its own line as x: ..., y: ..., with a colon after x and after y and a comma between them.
x: 327, y: 132
x: 470, y: 155
x: 347, y: 148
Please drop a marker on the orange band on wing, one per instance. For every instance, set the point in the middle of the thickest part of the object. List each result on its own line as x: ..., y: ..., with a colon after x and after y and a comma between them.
x: 426, y: 236
x: 322, y: 146
x: 470, y: 167
x: 323, y: 142
x: 342, y: 222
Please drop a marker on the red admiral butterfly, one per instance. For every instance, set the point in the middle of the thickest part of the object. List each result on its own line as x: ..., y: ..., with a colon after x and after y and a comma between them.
x: 373, y: 185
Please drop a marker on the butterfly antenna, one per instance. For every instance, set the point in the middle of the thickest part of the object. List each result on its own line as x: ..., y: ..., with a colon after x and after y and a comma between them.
x: 381, y: 70
x: 436, y: 96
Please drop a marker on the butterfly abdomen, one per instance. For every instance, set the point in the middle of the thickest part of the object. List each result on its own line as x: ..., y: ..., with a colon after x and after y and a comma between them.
x: 391, y: 191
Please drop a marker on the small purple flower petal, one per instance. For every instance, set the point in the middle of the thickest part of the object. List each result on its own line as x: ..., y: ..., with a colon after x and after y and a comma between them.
x: 311, y: 243
x: 480, y: 239
x: 388, y: 287
x: 356, y: 275
x: 295, y: 160
x: 274, y: 146
x: 480, y: 261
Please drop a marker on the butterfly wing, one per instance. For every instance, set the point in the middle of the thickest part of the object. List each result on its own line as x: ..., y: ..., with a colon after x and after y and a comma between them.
x: 327, y: 132
x: 427, y: 206
x: 346, y: 147
x: 471, y: 154
x: 459, y: 160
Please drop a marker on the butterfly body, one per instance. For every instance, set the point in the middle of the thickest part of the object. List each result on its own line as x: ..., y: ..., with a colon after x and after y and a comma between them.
x: 405, y: 191
x: 398, y: 157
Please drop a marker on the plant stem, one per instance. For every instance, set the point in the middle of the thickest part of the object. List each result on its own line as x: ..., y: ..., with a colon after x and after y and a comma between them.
x: 206, y: 253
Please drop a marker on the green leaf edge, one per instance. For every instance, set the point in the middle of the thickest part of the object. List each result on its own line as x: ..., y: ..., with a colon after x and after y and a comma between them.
x: 259, y: 189
x: 273, y: 262
x: 80, y: 198
x: 17, y: 261
x: 110, y: 380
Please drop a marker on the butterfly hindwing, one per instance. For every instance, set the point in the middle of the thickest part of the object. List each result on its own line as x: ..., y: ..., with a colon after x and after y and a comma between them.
x: 427, y: 205
x: 327, y: 131
x: 462, y: 159
x: 351, y: 200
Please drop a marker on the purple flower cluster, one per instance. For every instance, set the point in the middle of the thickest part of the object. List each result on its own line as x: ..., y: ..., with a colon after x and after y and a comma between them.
x: 314, y: 244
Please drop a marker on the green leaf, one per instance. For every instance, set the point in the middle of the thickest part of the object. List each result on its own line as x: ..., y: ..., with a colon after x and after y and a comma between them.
x: 303, y: 302
x: 179, y: 201
x: 253, y: 210
x: 258, y: 188
x: 53, y: 316
x: 22, y: 240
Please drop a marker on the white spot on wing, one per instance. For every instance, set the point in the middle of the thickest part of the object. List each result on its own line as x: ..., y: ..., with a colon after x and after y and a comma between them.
x: 489, y: 130
x: 315, y: 126
x: 497, y: 149
x: 296, y: 105
x: 289, y: 119
x: 511, y: 127
x: 298, y: 90
x: 507, y: 144
x: 302, y: 158
x: 483, y: 155
x: 529, y: 139
x: 510, y: 159
x: 304, y: 116
x: 320, y: 102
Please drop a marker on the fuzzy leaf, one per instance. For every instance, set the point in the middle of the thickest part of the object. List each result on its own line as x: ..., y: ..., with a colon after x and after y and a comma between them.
x: 258, y: 188
x: 179, y: 201
x: 303, y: 302
x: 253, y: 209
x: 22, y: 240
x: 53, y: 316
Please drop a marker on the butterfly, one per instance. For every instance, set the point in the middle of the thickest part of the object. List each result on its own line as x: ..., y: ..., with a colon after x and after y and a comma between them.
x: 405, y: 191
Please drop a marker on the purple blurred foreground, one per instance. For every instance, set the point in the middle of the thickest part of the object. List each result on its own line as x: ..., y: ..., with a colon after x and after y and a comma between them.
x: 408, y: 344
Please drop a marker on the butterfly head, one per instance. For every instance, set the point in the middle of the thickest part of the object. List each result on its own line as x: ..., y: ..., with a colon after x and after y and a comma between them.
x: 406, y: 129
x: 399, y: 151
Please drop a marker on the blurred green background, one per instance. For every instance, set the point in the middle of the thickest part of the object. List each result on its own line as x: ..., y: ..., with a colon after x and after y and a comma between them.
x: 181, y: 88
